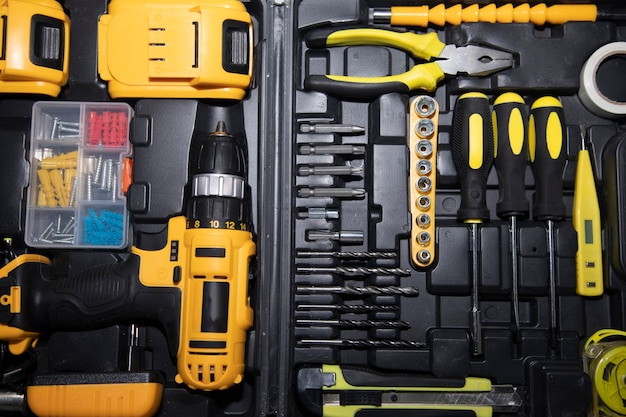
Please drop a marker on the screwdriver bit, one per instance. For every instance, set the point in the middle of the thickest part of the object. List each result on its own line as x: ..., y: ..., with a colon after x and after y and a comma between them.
x: 353, y: 270
x: 368, y: 290
x: 307, y: 170
x: 382, y: 324
x: 356, y: 255
x: 351, y: 308
x: 306, y: 192
x: 341, y: 236
x: 314, y: 149
x: 345, y: 129
x: 319, y: 213
x: 364, y: 343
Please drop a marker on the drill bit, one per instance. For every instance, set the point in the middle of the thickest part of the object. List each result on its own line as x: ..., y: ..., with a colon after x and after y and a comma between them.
x: 361, y: 291
x: 364, y: 343
x: 331, y: 128
x: 306, y: 192
x: 306, y: 170
x: 355, y: 255
x: 363, y: 324
x: 353, y: 270
x: 351, y: 308
x: 314, y: 149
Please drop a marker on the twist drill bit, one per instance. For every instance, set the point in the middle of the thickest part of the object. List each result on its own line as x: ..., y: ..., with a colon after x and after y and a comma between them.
x: 362, y: 291
x: 381, y: 255
x: 353, y: 270
x: 364, y: 343
x: 351, y: 308
x: 363, y: 324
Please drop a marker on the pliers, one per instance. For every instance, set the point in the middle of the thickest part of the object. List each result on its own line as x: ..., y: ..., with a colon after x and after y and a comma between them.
x: 446, y: 60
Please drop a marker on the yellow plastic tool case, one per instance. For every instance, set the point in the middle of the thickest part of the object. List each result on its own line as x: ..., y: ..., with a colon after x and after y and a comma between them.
x: 312, y: 208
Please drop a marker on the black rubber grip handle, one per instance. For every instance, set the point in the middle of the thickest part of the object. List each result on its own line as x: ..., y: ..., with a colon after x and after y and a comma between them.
x: 510, y: 120
x: 353, y: 89
x: 547, y: 149
x: 95, y: 298
x: 472, y: 151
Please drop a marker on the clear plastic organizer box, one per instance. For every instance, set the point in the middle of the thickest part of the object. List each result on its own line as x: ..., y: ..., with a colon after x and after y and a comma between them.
x: 77, y: 157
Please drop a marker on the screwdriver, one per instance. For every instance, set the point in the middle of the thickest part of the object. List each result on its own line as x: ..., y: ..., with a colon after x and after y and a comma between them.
x: 586, y: 220
x: 546, y: 140
x: 511, y: 153
x: 539, y: 14
x: 472, y: 151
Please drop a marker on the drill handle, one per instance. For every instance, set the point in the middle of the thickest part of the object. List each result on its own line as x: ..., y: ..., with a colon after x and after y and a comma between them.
x: 95, y: 298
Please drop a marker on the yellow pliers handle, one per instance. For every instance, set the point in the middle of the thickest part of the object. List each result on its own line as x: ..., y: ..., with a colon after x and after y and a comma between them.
x: 422, y: 76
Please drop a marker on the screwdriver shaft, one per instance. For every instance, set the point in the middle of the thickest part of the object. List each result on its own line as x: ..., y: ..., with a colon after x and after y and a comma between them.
x: 515, y: 278
x: 351, y: 308
x: 361, y: 291
x: 382, y: 324
x: 476, y: 331
x: 552, y: 273
x: 353, y: 270
x: 364, y: 343
x: 356, y: 255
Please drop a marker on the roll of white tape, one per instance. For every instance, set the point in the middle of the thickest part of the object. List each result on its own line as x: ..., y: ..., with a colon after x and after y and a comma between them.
x: 590, y: 94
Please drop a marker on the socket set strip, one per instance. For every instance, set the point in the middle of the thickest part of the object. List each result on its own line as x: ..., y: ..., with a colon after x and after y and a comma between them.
x: 422, y: 143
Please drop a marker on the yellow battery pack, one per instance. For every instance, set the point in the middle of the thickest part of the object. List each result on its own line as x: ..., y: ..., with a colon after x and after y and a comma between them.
x: 34, y: 52
x: 119, y: 394
x: 160, y: 48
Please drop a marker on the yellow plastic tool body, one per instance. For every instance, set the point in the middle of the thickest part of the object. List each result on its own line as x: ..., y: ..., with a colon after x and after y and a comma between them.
x: 539, y: 14
x: 424, y: 76
x: 34, y: 53
x: 210, y: 354
x: 19, y: 340
x: 79, y: 400
x: 586, y: 220
x: 160, y: 48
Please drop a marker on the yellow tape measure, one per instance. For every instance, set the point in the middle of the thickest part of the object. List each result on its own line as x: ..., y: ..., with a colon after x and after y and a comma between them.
x: 607, y: 368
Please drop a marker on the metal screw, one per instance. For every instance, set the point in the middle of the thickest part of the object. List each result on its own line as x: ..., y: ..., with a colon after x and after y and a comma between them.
x: 98, y: 173
x: 89, y: 187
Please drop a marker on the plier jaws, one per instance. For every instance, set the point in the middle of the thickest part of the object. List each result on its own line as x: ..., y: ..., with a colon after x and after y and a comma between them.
x: 442, y: 60
x: 473, y: 60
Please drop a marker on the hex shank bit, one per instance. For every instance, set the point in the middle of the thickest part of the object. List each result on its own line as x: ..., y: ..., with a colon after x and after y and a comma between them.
x: 315, y: 149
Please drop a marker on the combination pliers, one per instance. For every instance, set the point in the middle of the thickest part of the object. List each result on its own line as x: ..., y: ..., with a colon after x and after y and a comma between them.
x: 446, y: 59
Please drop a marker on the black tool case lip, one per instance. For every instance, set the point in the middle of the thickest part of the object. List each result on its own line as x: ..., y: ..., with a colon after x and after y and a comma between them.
x: 274, y: 110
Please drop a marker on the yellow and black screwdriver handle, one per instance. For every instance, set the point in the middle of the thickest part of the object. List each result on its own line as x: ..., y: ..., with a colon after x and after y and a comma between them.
x: 195, y: 288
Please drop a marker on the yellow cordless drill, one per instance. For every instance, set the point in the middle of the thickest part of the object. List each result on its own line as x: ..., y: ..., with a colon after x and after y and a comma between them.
x: 195, y: 288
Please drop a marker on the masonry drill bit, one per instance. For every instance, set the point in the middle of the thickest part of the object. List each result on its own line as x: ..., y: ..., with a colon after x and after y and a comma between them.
x: 364, y: 343
x: 351, y: 308
x: 353, y: 270
x: 315, y: 149
x: 353, y: 254
x: 363, y: 324
x: 361, y: 291
x: 306, y: 192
